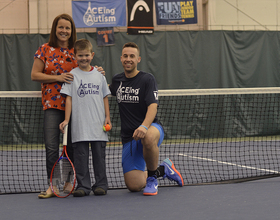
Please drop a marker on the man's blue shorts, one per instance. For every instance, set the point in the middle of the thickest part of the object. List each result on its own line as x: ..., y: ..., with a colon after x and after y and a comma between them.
x: 132, y: 154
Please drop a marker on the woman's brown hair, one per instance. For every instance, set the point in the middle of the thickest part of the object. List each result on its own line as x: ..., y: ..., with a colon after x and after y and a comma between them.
x: 53, y: 37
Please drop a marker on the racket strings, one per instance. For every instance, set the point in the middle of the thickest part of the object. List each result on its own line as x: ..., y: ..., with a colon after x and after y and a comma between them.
x: 63, y: 177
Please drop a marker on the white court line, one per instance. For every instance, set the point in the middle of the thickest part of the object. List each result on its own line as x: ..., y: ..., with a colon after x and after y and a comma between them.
x: 231, y: 164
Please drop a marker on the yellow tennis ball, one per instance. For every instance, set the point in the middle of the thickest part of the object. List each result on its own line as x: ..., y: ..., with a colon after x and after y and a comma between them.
x: 107, y: 127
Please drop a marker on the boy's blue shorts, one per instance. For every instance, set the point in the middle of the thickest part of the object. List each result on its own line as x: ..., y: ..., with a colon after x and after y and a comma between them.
x: 132, y: 154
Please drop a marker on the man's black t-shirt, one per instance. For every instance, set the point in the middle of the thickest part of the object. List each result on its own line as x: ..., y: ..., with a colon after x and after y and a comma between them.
x: 134, y: 95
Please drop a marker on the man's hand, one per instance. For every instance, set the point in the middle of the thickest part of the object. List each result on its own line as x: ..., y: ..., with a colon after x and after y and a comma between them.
x: 100, y: 69
x: 139, y: 133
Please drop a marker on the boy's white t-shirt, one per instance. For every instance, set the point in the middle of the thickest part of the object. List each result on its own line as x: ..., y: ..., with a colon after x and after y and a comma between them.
x: 88, y: 114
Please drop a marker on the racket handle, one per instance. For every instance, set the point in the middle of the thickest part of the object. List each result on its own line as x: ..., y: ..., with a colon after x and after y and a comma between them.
x: 65, y: 135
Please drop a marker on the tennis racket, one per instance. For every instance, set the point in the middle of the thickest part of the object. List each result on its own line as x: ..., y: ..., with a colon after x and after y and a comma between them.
x: 63, y: 175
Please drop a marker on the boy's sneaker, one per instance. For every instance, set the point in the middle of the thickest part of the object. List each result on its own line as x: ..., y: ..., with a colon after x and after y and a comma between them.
x: 79, y: 193
x: 99, y: 191
x: 151, y: 188
x: 171, y: 173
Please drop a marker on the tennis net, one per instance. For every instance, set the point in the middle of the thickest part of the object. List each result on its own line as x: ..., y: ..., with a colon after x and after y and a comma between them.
x: 211, y: 135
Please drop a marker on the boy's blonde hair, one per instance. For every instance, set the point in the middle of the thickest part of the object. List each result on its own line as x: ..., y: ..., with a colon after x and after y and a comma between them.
x: 82, y: 44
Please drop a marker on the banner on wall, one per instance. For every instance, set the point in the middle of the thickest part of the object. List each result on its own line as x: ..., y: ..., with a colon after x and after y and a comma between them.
x: 169, y: 12
x: 99, y: 13
x: 140, y: 17
x: 105, y: 36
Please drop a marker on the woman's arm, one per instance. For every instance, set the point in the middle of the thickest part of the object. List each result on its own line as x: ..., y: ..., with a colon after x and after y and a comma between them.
x: 38, y: 75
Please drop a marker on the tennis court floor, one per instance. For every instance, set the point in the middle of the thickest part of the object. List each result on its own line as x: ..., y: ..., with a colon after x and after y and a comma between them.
x: 254, y: 200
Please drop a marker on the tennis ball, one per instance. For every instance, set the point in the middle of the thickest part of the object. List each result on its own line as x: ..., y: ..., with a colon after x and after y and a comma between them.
x: 107, y: 127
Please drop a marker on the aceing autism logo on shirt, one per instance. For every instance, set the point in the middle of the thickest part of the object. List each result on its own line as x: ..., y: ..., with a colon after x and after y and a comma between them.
x: 87, y: 88
x: 127, y: 94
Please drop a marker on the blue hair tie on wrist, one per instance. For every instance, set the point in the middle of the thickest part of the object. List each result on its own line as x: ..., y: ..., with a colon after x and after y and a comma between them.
x: 143, y: 126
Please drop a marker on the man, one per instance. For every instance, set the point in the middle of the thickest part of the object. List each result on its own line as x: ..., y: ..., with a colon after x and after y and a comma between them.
x: 141, y: 131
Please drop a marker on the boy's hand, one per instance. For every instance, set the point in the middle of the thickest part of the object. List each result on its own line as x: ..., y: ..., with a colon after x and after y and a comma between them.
x: 62, y: 125
x: 108, y: 121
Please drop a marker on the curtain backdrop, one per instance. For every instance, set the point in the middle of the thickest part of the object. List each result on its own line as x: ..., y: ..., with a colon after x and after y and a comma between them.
x: 178, y: 60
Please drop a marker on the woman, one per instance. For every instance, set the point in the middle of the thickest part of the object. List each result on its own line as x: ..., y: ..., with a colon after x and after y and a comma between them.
x: 52, y: 63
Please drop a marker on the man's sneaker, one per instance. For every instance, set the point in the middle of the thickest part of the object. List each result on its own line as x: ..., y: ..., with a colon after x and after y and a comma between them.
x: 171, y: 173
x: 151, y: 188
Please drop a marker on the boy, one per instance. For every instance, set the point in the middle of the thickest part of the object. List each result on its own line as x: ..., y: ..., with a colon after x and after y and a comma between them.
x: 87, y: 103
